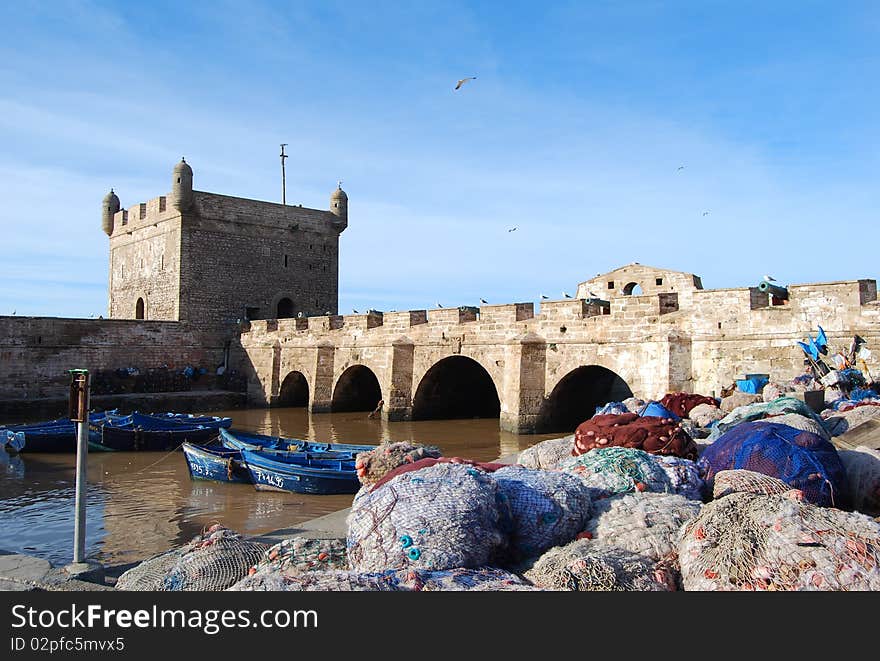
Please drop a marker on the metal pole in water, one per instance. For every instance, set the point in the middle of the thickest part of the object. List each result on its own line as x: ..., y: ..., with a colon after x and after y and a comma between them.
x: 79, y: 413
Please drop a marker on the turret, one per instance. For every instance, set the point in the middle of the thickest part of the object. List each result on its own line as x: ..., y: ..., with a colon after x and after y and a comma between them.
x: 109, y: 207
x: 182, y: 186
x: 339, y: 205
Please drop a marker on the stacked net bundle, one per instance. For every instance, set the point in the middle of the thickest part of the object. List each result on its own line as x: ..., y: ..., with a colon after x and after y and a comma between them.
x: 801, y: 422
x: 657, y: 410
x: 863, y: 473
x: 704, y: 414
x: 682, y: 403
x: 590, y: 566
x: 213, y: 560
x: 613, y: 408
x: 547, y: 454
x: 694, y: 431
x: 738, y: 480
x: 684, y: 477
x: 611, y: 471
x: 749, y: 542
x: 651, y: 434
x: 643, y: 523
x: 372, y: 466
x: 459, y: 580
x: 801, y: 459
x: 840, y: 422
x: 633, y: 404
x: 548, y: 508
x: 760, y: 411
x: 444, y: 516
x: 737, y: 399
x: 303, y: 554
x: 331, y: 580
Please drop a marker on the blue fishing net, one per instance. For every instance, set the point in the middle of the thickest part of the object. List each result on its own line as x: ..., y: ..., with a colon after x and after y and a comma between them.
x: 801, y: 459
x: 657, y: 410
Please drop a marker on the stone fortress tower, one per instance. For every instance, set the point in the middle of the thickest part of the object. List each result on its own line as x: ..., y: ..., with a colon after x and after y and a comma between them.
x: 208, y: 258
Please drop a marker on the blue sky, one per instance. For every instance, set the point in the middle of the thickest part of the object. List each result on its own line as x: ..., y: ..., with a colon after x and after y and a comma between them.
x: 573, y: 132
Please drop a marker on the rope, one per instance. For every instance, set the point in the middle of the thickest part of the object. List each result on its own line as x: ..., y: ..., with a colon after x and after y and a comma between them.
x: 141, y: 470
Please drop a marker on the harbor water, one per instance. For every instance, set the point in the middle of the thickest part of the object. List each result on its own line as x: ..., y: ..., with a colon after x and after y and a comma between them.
x: 143, y: 503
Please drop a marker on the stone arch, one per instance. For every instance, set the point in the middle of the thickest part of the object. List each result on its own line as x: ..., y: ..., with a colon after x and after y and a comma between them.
x: 294, y: 390
x: 456, y: 387
x: 633, y: 289
x: 284, y: 308
x: 576, y: 396
x: 356, y: 389
x: 140, y: 308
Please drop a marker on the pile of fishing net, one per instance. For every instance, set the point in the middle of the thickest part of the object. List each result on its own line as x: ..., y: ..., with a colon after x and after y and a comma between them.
x: 585, y: 566
x: 705, y: 414
x: 302, y: 554
x: 684, y: 476
x: 402, y: 580
x: 614, y: 470
x: 761, y: 410
x: 737, y: 399
x: 749, y: 542
x: 629, y: 405
x: 863, y: 474
x: 739, y: 480
x: 548, y: 508
x: 651, y: 434
x: 775, y: 390
x: 547, y: 454
x: 682, y: 403
x: 801, y: 459
x: 657, y: 410
x: 374, y: 465
x: 214, y: 560
x: 840, y: 422
x: 442, y: 516
x: 642, y: 523
x: 803, y: 423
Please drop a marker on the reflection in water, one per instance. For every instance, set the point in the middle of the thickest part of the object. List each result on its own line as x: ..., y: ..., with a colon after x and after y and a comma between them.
x: 142, y: 503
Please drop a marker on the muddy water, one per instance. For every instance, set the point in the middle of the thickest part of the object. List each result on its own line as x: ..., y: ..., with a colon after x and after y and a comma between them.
x: 141, y: 503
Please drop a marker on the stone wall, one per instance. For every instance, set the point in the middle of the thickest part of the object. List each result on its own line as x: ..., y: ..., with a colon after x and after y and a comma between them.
x: 36, y: 352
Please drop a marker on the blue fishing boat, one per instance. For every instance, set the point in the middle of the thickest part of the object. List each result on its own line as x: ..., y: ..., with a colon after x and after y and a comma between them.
x: 243, y: 440
x: 300, y: 472
x: 141, y: 431
x: 57, y: 435
x: 215, y: 462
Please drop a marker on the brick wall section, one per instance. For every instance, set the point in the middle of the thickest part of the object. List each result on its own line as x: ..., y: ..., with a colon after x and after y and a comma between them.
x: 36, y: 352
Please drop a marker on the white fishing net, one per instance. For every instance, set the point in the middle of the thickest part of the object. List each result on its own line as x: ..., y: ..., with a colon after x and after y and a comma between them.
x: 863, y: 472
x: 705, y: 414
x: 840, y: 422
x: 547, y: 454
x: 739, y: 480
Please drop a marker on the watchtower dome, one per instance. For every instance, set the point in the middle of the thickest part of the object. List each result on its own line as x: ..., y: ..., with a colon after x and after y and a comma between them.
x: 109, y: 207
x: 339, y: 205
x: 182, y: 186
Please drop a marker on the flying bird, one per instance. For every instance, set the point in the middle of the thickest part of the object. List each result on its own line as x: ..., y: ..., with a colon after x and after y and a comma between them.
x: 705, y: 213
x: 484, y: 301
x: 566, y: 294
x: 680, y: 167
x: 512, y: 229
x: 463, y: 81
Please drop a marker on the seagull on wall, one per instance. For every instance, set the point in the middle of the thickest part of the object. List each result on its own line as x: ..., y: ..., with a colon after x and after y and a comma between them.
x: 463, y: 81
x: 354, y: 311
x: 544, y: 297
x: 566, y: 294
x: 769, y: 278
x: 439, y: 306
x: 484, y: 301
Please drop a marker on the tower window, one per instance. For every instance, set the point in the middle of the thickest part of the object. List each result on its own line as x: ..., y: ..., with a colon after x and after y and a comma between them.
x: 311, y: 267
x: 284, y: 309
x: 251, y: 313
x: 162, y: 262
x: 122, y: 271
x: 611, y: 284
x: 285, y: 261
x: 658, y: 281
x: 139, y: 309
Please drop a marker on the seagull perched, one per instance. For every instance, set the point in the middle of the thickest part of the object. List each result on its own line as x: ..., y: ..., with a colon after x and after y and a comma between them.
x: 512, y: 229
x: 484, y: 301
x: 769, y: 278
x: 439, y: 306
x: 355, y: 311
x: 592, y: 295
x: 566, y: 294
x: 463, y: 81
x: 544, y: 296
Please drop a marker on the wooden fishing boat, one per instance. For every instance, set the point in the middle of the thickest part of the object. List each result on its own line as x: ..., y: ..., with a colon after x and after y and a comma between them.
x: 243, y: 440
x: 57, y: 435
x: 300, y: 472
x: 150, y: 433
x: 215, y: 462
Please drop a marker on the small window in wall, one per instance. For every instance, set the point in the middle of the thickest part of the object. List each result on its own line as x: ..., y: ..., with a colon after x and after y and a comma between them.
x: 251, y: 313
x: 285, y: 261
x: 658, y: 281
x: 611, y: 284
x: 162, y: 262
x: 139, y: 309
x: 311, y: 267
x: 122, y: 270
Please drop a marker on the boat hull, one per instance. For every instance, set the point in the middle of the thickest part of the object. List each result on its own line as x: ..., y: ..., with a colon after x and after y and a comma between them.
x: 313, y: 476
x: 250, y: 441
x: 216, y: 464
x: 154, y: 433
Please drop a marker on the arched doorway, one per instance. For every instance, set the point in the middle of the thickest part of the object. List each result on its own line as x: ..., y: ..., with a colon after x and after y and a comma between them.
x: 357, y: 390
x: 456, y: 387
x: 576, y: 396
x: 284, y: 309
x: 294, y: 390
x: 139, y: 309
x: 633, y: 289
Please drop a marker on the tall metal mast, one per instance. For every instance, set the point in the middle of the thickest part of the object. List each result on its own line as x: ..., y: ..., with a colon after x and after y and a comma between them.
x: 283, y: 179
